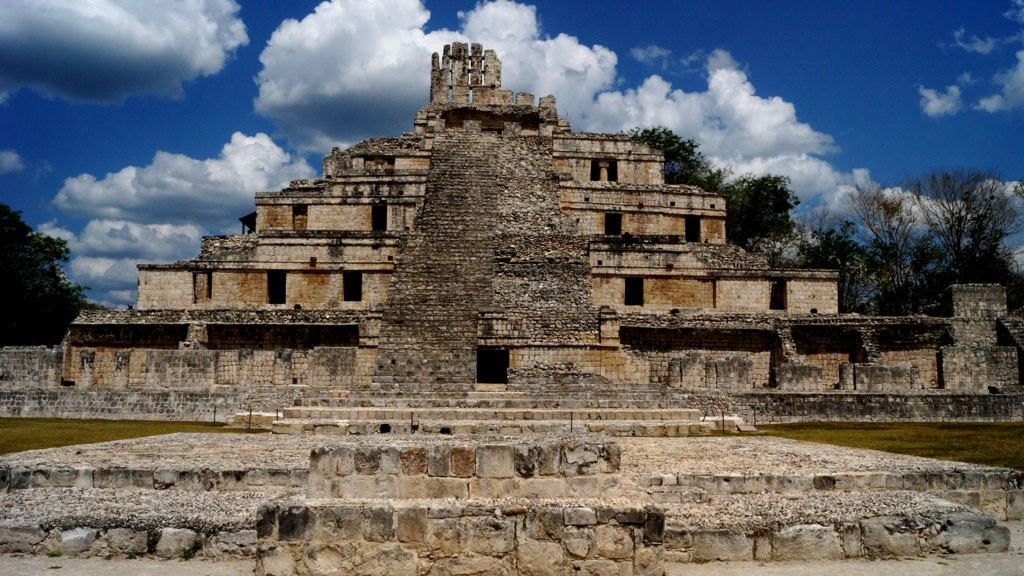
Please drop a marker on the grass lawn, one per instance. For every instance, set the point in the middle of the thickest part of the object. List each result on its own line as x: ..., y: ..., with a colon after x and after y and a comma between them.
x: 991, y: 444
x: 18, y: 434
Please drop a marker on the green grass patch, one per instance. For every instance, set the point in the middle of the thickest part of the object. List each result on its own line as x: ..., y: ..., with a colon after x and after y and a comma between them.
x: 19, y: 434
x: 991, y: 444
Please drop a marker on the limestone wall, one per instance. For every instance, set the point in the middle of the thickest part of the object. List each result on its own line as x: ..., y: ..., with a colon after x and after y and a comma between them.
x: 764, y: 408
x: 191, y: 405
x: 30, y: 366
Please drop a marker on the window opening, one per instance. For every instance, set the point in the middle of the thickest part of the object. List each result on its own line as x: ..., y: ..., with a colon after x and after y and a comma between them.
x: 693, y: 228
x: 352, y: 286
x: 604, y: 171
x: 379, y: 217
x: 276, y: 286
x: 634, y: 292
x: 202, y: 287
x: 613, y: 223
x: 778, y: 296
x: 300, y: 216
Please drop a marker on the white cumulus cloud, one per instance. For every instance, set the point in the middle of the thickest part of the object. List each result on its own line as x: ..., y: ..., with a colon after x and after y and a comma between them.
x: 159, y: 212
x: 10, y: 161
x: 323, y: 76
x: 106, y: 50
x: 177, y: 188
x: 1011, y: 93
x: 935, y: 103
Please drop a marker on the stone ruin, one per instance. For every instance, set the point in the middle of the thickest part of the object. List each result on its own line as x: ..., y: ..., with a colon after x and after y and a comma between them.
x: 494, y: 248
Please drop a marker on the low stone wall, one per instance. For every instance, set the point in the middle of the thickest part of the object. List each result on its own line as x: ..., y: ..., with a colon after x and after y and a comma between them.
x: 120, y: 542
x: 457, y: 537
x: 873, y: 538
x: 779, y: 407
x: 205, y: 480
x: 551, y: 466
x: 192, y: 404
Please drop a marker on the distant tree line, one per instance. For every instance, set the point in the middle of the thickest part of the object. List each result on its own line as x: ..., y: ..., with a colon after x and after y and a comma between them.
x: 37, y: 301
x: 896, y: 248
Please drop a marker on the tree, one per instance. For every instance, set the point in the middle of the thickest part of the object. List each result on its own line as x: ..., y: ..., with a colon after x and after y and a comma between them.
x: 759, y: 207
x: 684, y: 162
x: 970, y: 214
x: 759, y: 210
x: 900, y: 256
x: 37, y: 302
x: 830, y: 244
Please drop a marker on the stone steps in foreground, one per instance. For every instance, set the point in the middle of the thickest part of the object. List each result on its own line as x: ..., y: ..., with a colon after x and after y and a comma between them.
x: 463, y: 413
x: 618, y: 428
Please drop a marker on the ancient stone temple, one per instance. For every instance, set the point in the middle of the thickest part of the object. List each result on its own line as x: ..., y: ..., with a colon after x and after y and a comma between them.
x: 493, y: 245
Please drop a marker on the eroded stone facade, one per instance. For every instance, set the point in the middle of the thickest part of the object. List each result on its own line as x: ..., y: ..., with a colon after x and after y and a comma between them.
x: 492, y: 244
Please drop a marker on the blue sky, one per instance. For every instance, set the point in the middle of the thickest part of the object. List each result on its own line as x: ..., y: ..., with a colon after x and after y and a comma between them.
x: 133, y: 127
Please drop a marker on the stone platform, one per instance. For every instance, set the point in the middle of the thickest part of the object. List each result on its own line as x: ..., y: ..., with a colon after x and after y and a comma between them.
x: 637, y: 505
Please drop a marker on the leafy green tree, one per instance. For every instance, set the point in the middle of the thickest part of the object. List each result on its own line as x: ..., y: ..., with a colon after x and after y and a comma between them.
x: 758, y: 216
x: 833, y: 245
x: 759, y: 211
x: 37, y: 302
x: 684, y: 162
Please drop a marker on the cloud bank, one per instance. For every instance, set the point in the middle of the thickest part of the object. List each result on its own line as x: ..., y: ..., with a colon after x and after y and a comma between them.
x: 159, y: 212
x: 106, y: 50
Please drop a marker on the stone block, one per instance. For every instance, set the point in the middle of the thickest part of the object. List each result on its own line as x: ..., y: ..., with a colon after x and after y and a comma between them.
x: 444, y: 537
x: 852, y: 539
x: 495, y: 461
x: 489, y: 535
x: 1015, y: 505
x: 77, y: 541
x: 414, y: 461
x: 275, y: 561
x: 540, y: 558
x: 579, y: 542
x: 63, y: 477
x: 971, y: 533
x: 173, y: 542
x: 580, y: 516
x: 548, y: 459
x: 543, y: 488
x: 471, y: 565
x: 390, y: 460
x: 888, y: 537
x: 127, y: 542
x: 342, y: 523
x: 428, y: 487
x: 378, y: 523
x: 20, y: 536
x: 614, y: 542
x: 463, y: 461
x: 439, y: 461
x: 526, y: 461
x: 294, y: 522
x: 546, y: 523
x: 411, y: 525
x: 367, y: 460
x: 806, y: 542
x: 721, y: 545
x: 164, y: 479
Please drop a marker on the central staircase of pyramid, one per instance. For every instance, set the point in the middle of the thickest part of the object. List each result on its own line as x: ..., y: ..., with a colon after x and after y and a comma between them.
x: 490, y: 410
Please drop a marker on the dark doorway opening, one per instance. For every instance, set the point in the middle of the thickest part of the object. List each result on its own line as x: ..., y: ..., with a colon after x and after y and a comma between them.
x: 277, y: 280
x: 778, y: 297
x: 352, y: 286
x: 693, y: 228
x: 379, y: 217
x: 492, y: 365
x: 634, y: 292
x: 613, y: 223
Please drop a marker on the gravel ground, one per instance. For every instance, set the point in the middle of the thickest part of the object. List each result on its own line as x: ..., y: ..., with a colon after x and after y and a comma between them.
x: 134, y: 508
x: 756, y: 455
x: 761, y: 512
x: 693, y: 455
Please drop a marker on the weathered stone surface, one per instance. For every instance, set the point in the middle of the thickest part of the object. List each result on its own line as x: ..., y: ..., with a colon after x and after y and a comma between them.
x: 539, y: 558
x: 495, y: 461
x: 614, y: 542
x: 126, y: 541
x: 887, y: 537
x: 721, y: 545
x: 173, y: 542
x: 18, y: 536
x: 971, y: 533
x: 77, y: 541
x: 806, y: 542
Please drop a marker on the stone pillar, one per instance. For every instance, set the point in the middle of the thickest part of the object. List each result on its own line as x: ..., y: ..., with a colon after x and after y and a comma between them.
x: 460, y: 73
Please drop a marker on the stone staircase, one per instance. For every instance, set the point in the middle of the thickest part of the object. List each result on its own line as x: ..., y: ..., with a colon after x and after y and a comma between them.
x: 476, y: 412
x: 443, y: 271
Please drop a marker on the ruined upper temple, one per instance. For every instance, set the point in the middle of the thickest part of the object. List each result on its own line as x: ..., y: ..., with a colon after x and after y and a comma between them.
x: 493, y: 244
